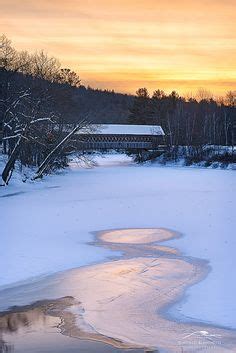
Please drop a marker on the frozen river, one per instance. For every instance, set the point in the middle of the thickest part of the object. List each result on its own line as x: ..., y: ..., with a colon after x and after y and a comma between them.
x: 45, y: 226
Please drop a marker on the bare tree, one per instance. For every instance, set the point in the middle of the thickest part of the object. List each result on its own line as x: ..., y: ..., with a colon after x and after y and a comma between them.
x: 7, y: 53
x: 203, y: 94
x: 66, y: 76
x: 44, y: 66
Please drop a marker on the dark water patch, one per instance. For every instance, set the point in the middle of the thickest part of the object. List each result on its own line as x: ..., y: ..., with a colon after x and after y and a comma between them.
x: 37, y: 328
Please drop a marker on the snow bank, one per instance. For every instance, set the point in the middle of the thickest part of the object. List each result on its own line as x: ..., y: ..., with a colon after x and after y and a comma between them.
x: 45, y: 225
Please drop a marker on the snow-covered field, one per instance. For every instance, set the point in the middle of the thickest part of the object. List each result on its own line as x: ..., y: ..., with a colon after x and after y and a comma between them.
x: 45, y: 225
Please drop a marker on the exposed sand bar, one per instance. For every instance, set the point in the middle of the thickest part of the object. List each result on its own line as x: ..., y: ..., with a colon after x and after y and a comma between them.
x: 127, y: 299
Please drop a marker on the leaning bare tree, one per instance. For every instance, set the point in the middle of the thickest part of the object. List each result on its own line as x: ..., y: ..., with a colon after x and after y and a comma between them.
x: 65, y: 146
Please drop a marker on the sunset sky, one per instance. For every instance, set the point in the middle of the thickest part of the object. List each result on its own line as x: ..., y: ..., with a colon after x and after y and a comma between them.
x: 126, y: 44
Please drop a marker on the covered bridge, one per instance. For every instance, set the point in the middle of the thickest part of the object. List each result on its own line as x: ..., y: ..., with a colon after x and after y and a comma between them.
x: 111, y: 136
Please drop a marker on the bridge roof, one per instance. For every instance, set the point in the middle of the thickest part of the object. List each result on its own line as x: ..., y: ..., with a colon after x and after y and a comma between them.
x: 115, y: 129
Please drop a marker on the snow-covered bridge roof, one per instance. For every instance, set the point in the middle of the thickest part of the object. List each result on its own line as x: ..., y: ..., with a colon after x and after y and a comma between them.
x: 115, y: 129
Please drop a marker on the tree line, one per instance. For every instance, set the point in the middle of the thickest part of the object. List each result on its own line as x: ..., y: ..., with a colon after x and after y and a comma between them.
x: 192, y: 122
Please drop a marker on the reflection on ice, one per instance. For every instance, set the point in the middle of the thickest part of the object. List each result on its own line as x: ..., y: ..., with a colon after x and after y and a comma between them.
x: 137, y: 236
x: 117, y: 304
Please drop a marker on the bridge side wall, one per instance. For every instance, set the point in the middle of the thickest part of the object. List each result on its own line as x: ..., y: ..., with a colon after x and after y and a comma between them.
x: 103, y: 142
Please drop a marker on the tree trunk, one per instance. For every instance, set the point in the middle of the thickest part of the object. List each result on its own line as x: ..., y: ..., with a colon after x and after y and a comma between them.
x: 52, y: 155
x: 7, y: 171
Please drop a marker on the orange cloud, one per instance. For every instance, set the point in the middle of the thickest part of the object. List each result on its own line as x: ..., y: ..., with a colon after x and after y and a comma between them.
x: 124, y: 44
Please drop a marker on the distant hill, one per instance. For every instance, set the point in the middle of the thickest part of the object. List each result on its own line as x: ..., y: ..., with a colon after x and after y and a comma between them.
x: 100, y: 106
x: 72, y: 103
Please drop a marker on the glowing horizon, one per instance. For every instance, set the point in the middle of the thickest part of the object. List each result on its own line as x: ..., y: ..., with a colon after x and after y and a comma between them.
x: 123, y: 45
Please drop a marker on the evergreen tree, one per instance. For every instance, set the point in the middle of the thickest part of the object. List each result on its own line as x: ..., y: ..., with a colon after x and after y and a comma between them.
x: 141, y: 112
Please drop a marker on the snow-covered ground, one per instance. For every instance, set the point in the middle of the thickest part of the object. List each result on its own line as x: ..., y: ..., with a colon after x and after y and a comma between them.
x: 45, y: 225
